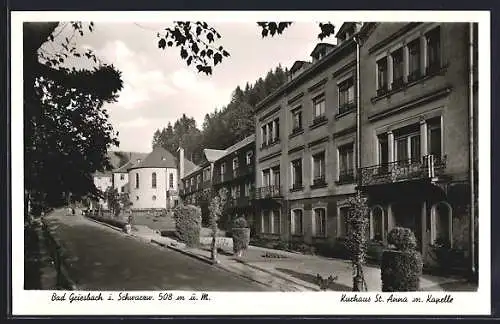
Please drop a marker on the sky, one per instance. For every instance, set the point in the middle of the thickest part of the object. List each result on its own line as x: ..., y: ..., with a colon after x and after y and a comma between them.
x: 158, y: 85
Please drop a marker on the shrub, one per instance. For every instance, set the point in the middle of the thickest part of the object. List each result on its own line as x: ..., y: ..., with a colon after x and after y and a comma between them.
x: 447, y: 257
x: 241, y: 239
x: 240, y: 222
x: 188, y: 224
x: 403, y: 238
x: 401, y: 270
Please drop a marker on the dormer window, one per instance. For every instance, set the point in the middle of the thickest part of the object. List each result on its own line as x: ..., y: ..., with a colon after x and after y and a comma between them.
x: 163, y: 158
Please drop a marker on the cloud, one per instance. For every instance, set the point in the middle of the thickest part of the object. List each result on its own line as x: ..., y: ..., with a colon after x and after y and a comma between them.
x: 143, y: 80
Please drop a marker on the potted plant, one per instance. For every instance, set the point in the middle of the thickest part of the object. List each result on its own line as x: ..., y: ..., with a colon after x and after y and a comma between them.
x: 241, y: 236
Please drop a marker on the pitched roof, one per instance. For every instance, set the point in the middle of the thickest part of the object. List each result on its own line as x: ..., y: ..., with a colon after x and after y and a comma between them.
x: 297, y: 65
x: 321, y: 46
x: 189, y: 166
x: 118, y: 159
x: 158, y: 158
x: 244, y: 142
x: 213, y: 155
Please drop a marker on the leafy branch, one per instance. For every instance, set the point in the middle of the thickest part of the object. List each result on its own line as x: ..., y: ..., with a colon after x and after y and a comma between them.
x: 196, y: 41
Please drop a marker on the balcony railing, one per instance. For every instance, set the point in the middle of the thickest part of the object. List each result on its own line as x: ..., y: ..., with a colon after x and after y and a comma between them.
x: 318, y: 120
x: 267, y: 192
x: 413, y: 169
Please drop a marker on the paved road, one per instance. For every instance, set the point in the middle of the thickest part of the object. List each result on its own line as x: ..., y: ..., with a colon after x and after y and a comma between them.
x: 109, y: 260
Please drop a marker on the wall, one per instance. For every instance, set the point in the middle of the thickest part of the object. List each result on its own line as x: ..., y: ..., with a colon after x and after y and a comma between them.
x: 118, y: 183
x: 142, y: 198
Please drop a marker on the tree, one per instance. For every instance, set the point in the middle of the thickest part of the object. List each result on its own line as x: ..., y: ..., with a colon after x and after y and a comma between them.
x: 356, y: 242
x: 216, y: 208
x: 66, y: 130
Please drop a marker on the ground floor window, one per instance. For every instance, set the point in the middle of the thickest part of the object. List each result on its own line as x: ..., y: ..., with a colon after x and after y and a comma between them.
x: 320, y: 222
x: 342, y: 225
x: 271, y: 221
x: 297, y: 226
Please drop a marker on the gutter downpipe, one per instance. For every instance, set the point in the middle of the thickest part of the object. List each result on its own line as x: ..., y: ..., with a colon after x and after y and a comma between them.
x: 471, y: 151
x: 358, y: 108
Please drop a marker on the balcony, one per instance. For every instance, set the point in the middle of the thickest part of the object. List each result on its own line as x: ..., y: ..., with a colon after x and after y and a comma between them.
x: 428, y: 167
x: 318, y: 121
x: 267, y: 192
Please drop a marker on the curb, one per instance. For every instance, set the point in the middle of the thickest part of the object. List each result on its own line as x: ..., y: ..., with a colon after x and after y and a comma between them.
x: 60, y: 255
x: 105, y: 224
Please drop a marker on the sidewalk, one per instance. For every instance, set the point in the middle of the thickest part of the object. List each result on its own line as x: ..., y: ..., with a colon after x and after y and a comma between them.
x: 288, y: 271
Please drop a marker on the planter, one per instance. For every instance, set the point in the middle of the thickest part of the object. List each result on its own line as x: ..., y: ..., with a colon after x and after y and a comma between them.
x: 241, y: 240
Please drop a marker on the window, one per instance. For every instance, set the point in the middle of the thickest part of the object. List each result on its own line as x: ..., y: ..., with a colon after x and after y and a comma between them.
x: 249, y: 157
x: 297, y: 228
x: 206, y: 174
x: 319, y: 168
x: 346, y: 163
x: 266, y: 177
x: 192, y: 182
x: 264, y: 135
x: 407, y: 144
x: 319, y: 107
x: 346, y: 95
x: 235, y: 192
x: 136, y: 197
x: 154, y: 197
x: 137, y: 180
x: 248, y: 188
x: 276, y: 176
x: 222, y: 170
x: 266, y: 221
x: 153, y: 180
x: 198, y: 180
x: 320, y: 221
x: 382, y: 76
x: 434, y: 138
x: 171, y: 180
x: 296, y: 121
x: 342, y: 222
x: 433, y: 39
x: 414, y: 60
x: 397, y: 69
x: 235, y: 166
x: 270, y: 132
x: 122, y: 189
x: 276, y: 221
x: 122, y: 176
x: 297, y: 174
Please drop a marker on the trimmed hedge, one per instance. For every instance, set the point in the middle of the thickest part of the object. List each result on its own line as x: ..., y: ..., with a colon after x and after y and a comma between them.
x: 403, y: 238
x: 188, y: 224
x: 401, y: 270
x: 241, y: 235
x: 241, y: 239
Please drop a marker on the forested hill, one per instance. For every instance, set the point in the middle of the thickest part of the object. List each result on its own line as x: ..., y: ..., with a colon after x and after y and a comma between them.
x: 222, y: 127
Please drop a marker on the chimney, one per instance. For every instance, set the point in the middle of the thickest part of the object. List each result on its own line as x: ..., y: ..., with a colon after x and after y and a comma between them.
x: 181, y: 163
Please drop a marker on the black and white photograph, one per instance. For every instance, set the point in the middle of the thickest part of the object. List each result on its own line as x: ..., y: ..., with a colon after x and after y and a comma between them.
x: 323, y: 158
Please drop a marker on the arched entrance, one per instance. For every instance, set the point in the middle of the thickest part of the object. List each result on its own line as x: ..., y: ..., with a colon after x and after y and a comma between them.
x: 377, y: 224
x: 441, y: 223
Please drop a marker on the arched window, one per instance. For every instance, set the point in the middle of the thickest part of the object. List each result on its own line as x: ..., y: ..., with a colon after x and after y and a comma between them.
x: 441, y: 223
x: 171, y: 180
x: 377, y: 224
x: 137, y: 180
x: 153, y: 180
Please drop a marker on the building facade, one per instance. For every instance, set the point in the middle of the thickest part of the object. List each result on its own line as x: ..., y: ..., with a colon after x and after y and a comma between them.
x: 415, y: 112
x: 232, y: 169
x: 306, y: 133
x: 153, y: 182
